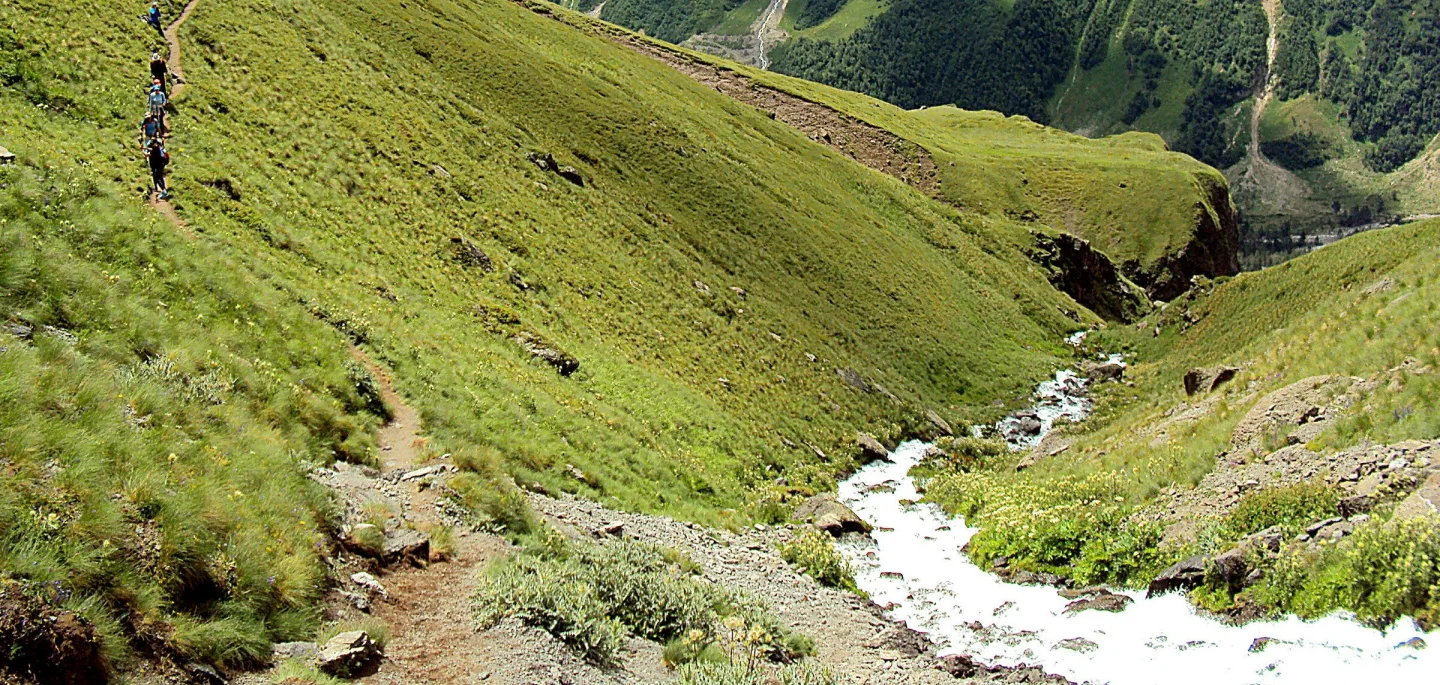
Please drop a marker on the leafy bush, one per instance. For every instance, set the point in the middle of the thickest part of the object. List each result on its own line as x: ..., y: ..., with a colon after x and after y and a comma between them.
x: 590, y: 596
x: 1291, y: 507
x: 814, y: 552
x: 1383, y: 571
x: 1038, y: 524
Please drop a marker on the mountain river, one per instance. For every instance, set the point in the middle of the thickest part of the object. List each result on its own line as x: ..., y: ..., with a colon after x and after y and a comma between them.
x: 913, y: 563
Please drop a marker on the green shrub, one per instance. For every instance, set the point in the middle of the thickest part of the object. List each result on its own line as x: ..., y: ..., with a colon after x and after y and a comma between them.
x: 814, y: 552
x: 591, y: 596
x: 1383, y: 571
x: 1291, y: 507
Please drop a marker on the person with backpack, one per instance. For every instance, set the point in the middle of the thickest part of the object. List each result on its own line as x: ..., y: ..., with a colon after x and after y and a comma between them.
x: 152, y: 17
x: 150, y: 129
x: 158, y: 158
x: 159, y: 70
x: 157, y: 101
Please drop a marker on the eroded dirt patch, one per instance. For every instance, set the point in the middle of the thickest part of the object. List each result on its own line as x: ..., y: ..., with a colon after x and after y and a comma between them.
x: 870, y: 145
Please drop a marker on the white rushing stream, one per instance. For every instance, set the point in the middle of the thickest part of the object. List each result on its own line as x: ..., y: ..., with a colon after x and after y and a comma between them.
x: 915, y: 566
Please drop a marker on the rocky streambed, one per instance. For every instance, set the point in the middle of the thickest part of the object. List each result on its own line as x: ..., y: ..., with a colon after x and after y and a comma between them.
x: 914, y: 566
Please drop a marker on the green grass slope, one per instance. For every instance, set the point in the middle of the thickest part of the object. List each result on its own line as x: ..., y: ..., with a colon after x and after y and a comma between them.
x: 1363, y: 307
x: 159, y: 406
x: 339, y: 162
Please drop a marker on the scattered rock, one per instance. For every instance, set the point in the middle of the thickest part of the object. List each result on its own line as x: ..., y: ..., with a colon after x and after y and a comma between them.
x: 1260, y: 643
x: 1292, y: 405
x: 6, y: 156
x: 1231, y: 567
x: 1203, y: 380
x: 1355, y: 505
x: 544, y: 160
x: 1104, y: 601
x: 1422, y: 502
x: 406, y: 544
x: 285, y: 651
x: 1315, y: 527
x: 548, y: 353
x: 1379, y: 286
x: 1077, y: 644
x: 853, y: 379
x: 1182, y: 575
x: 939, y: 423
x: 369, y: 583
x: 205, y: 674
x: 826, y: 513
x: 1415, y: 643
x: 1335, y: 531
x: 614, y: 529
x: 18, y: 330
x: 1023, y: 577
x: 572, y: 175
x: 470, y: 254
x: 870, y: 448
x: 1103, y: 371
x: 349, y: 655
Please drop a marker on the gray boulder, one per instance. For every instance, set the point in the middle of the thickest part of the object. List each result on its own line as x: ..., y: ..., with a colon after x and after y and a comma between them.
x: 1422, y: 502
x: 1203, y: 380
x: 349, y: 655
x: 828, y: 514
x: 870, y: 448
x: 286, y: 651
x: 1182, y: 575
x: 1102, y: 601
x: 939, y: 423
x: 1103, y: 371
x: 406, y: 544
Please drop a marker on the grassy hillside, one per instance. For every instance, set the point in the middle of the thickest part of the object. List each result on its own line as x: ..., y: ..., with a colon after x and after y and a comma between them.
x: 708, y: 252
x: 159, y: 406
x: 1364, y: 307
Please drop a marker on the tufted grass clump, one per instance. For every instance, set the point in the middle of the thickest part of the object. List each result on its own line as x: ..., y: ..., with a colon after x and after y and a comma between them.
x: 159, y: 408
x: 814, y: 553
x: 730, y: 673
x: 592, y: 596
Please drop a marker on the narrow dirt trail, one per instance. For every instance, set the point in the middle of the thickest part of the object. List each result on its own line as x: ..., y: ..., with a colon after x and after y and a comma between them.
x: 172, y: 37
x: 433, y: 638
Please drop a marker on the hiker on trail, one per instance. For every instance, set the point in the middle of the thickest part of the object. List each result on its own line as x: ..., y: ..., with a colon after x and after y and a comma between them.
x: 152, y: 17
x: 158, y: 100
x: 158, y: 158
x: 159, y: 70
x: 151, y: 129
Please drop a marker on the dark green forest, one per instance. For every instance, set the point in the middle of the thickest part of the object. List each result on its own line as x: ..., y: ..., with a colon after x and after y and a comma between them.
x: 1389, y: 88
x: 672, y: 20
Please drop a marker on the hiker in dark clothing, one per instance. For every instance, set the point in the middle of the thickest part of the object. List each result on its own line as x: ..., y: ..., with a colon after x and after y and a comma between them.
x: 158, y: 158
x: 152, y: 17
x: 159, y: 70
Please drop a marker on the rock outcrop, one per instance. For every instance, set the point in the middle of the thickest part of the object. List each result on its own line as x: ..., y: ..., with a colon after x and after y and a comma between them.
x: 1208, y: 379
x: 349, y: 655
x: 1088, y: 276
x: 1182, y: 575
x: 870, y: 448
x: 1213, y: 250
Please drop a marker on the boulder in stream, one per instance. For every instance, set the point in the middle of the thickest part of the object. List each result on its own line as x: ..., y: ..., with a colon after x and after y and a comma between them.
x: 826, y: 513
x: 1182, y: 575
x: 1101, y: 600
x: 870, y: 448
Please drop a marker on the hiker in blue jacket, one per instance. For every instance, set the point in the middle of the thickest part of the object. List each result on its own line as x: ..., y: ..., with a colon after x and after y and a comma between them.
x: 152, y: 17
x: 150, y: 129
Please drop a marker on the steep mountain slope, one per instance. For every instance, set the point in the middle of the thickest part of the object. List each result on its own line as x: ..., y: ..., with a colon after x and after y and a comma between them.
x: 1332, y: 381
